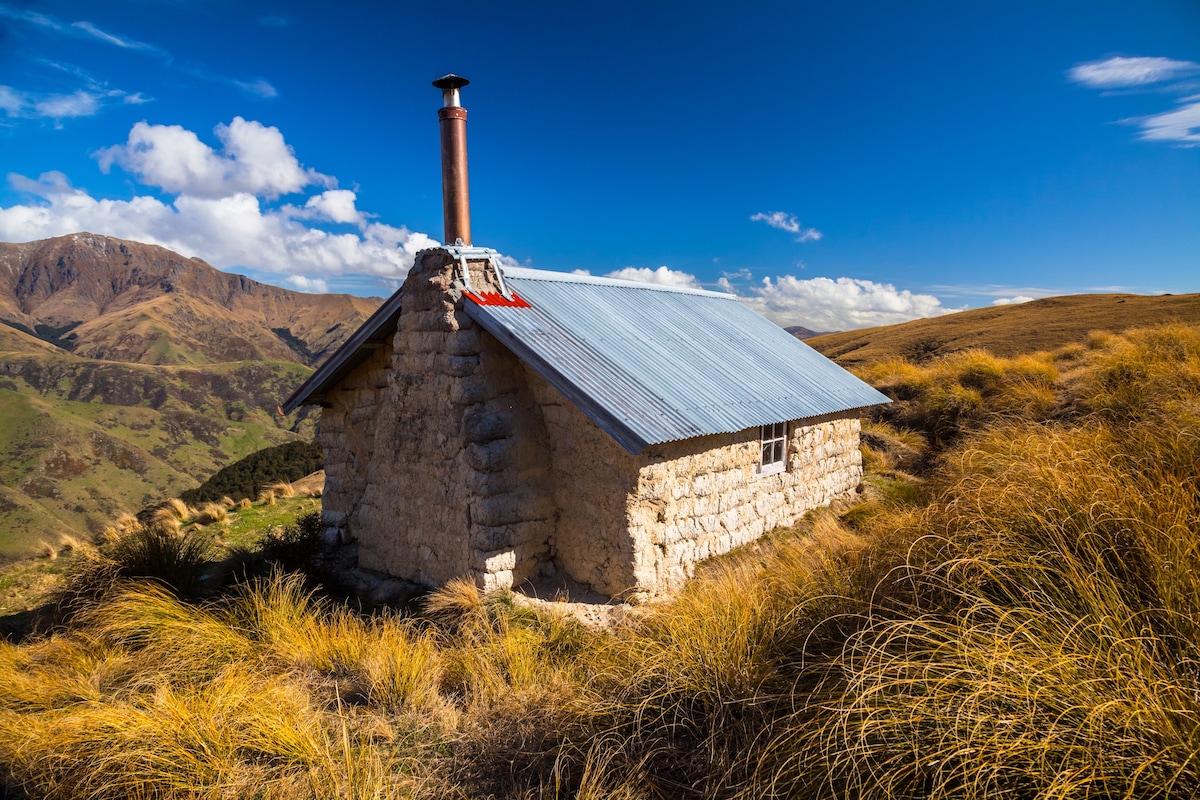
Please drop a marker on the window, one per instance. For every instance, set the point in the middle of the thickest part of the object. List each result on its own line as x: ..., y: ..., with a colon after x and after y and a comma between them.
x: 774, y: 448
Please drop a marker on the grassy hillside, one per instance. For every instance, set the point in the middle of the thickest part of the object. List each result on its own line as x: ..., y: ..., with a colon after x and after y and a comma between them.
x: 1013, y: 612
x: 1008, y: 330
x: 85, y: 440
x: 128, y: 372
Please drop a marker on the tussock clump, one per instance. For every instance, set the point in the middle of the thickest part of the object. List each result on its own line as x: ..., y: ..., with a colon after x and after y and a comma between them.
x: 282, y: 489
x: 126, y: 522
x: 963, y: 391
x: 165, y: 520
x: 179, y: 509
x: 209, y: 513
x: 454, y: 603
x: 243, y: 504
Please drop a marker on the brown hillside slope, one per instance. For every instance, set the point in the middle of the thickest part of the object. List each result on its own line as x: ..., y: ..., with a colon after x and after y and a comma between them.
x: 63, y: 289
x: 1008, y: 330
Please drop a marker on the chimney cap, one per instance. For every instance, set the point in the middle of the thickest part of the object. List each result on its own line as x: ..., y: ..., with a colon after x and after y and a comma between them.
x: 451, y: 81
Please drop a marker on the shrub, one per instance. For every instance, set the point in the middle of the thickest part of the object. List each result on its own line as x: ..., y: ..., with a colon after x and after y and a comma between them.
x: 180, y: 563
x: 247, y: 477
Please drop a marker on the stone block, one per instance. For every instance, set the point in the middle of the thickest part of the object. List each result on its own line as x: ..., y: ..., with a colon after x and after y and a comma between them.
x: 494, y: 561
x: 493, y: 581
x: 334, y: 518
x: 471, y: 391
x: 484, y: 484
x: 458, y: 366
x: 501, y: 509
x: 491, y: 457
x: 486, y: 426
x: 492, y: 538
x: 464, y: 343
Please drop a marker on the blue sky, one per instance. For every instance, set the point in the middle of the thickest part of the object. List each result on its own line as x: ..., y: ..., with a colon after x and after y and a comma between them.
x: 836, y: 164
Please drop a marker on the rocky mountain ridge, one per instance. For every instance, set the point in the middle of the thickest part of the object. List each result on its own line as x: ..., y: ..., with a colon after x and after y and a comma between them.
x: 101, y: 297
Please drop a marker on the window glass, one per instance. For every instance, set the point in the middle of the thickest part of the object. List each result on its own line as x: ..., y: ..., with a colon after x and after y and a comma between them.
x: 774, y: 448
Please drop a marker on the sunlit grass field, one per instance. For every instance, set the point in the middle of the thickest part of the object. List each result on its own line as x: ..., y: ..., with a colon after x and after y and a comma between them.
x: 1013, y: 611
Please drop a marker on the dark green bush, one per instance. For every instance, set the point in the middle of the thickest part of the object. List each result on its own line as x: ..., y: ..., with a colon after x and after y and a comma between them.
x: 246, y: 478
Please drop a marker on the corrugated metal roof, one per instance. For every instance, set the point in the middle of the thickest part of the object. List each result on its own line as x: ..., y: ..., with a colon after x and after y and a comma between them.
x: 652, y: 364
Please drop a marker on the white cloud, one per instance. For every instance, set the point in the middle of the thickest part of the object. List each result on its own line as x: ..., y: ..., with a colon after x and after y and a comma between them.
x: 335, y: 205
x: 1181, y: 125
x: 255, y: 160
x: 661, y: 276
x: 61, y: 106
x: 80, y: 103
x: 787, y: 222
x: 841, y: 304
x: 308, y: 285
x: 83, y: 29
x: 12, y: 101
x: 108, y: 38
x: 223, y: 211
x: 1120, y: 73
x: 1008, y: 301
x: 257, y: 87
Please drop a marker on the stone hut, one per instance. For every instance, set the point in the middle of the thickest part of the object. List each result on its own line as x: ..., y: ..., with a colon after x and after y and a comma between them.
x: 514, y: 425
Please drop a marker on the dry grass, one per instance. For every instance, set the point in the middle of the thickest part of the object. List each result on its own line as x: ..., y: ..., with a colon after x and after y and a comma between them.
x: 1009, y: 331
x: 179, y: 509
x: 1026, y: 625
x: 282, y: 489
x: 209, y: 513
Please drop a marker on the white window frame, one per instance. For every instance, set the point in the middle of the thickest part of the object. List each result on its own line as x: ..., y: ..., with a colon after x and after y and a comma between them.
x: 773, y: 448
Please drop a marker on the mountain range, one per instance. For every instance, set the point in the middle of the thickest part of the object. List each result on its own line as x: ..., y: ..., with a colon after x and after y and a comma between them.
x: 129, y: 373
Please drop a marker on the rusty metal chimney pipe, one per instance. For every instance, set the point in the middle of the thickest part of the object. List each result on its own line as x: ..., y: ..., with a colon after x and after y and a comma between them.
x: 456, y: 200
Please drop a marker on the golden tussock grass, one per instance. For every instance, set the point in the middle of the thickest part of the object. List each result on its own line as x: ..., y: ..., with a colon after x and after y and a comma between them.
x: 209, y: 513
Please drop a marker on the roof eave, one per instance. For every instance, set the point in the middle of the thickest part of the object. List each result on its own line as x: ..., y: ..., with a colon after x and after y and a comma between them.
x: 349, y: 355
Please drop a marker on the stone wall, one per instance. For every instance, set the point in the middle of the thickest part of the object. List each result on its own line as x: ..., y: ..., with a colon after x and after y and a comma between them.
x: 703, y: 497
x: 634, y: 526
x: 346, y: 431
